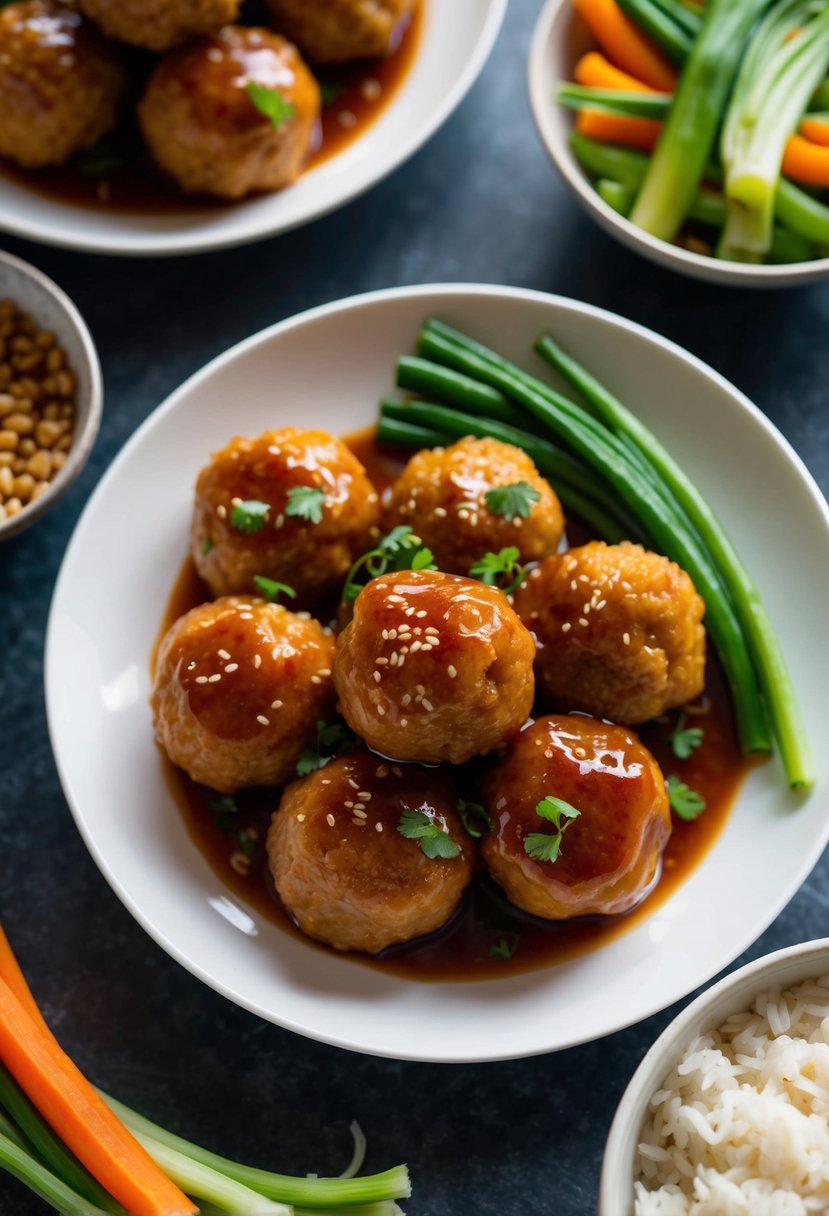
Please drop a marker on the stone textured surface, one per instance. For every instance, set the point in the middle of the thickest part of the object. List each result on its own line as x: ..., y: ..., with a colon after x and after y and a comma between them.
x: 480, y: 202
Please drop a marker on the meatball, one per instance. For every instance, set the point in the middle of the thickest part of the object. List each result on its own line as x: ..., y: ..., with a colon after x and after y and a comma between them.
x: 610, y: 855
x: 442, y: 494
x: 239, y: 687
x: 159, y: 24
x: 346, y: 873
x: 433, y: 667
x: 61, y: 85
x: 334, y: 31
x: 203, y: 119
x: 311, y: 551
x: 619, y: 631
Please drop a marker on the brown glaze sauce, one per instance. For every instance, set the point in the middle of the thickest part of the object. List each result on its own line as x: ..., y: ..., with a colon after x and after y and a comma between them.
x: 486, y: 921
x: 354, y: 97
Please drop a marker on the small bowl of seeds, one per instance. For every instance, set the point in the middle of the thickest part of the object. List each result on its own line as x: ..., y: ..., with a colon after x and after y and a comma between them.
x: 50, y: 394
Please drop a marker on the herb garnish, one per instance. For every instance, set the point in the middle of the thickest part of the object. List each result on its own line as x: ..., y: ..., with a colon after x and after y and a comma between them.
x: 434, y: 840
x: 330, y: 90
x: 513, y: 500
x: 333, y: 739
x: 271, y: 589
x: 542, y: 846
x: 270, y: 103
x: 400, y: 549
x: 226, y: 810
x: 207, y: 544
x: 505, y: 947
x: 501, y: 569
x: 306, y: 502
x: 687, y: 803
x: 99, y: 161
x: 475, y: 819
x: 249, y: 516
x: 683, y: 741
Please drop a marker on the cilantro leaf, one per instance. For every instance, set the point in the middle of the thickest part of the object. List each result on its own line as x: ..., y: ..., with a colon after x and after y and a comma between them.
x: 270, y: 103
x: 504, y: 948
x: 207, y: 544
x: 424, y: 559
x: 513, y: 500
x: 333, y: 739
x: 249, y: 516
x: 544, y: 846
x: 684, y: 741
x: 223, y: 805
x: 475, y: 819
x: 271, y: 589
x: 399, y: 549
x: 434, y: 840
x: 687, y: 803
x: 501, y: 569
x: 306, y: 502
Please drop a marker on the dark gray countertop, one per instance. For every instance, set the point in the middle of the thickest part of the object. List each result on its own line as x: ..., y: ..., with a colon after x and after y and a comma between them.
x: 481, y: 202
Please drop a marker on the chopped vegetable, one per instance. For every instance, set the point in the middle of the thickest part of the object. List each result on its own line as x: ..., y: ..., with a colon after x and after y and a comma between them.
x: 271, y: 589
x: 595, y: 70
x: 249, y: 516
x: 685, y: 740
x: 622, y: 41
x: 434, y: 840
x: 687, y: 803
x: 815, y: 128
x: 270, y: 103
x: 513, y: 500
x: 544, y: 846
x: 641, y: 133
x: 661, y: 24
x: 807, y: 162
x: 306, y: 502
x: 501, y: 569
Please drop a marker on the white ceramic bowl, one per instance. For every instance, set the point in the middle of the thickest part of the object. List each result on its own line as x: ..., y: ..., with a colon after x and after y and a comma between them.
x: 731, y: 995
x: 52, y: 309
x: 329, y: 368
x: 560, y: 38
x: 456, y: 39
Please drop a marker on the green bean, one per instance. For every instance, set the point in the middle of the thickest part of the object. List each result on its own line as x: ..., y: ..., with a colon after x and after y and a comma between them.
x: 661, y: 26
x: 442, y: 384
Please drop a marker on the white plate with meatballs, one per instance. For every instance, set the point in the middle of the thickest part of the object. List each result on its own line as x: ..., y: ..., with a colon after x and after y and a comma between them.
x: 449, y: 869
x: 176, y: 126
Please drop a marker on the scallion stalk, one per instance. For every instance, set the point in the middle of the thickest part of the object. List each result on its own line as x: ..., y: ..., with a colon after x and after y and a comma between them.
x: 46, y: 1185
x: 660, y: 24
x: 613, y: 101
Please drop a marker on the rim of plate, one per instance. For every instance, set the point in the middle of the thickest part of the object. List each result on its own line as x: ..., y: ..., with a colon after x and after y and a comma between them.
x: 719, y: 960
x: 700, y: 266
x: 197, y: 239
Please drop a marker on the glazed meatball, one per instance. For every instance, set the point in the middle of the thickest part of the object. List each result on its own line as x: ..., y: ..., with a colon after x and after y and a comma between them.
x: 159, y: 24
x: 203, y: 126
x: 345, y: 872
x: 311, y: 552
x: 619, y: 631
x: 60, y: 84
x: 334, y: 31
x: 609, y: 857
x: 433, y: 667
x: 442, y: 493
x: 239, y: 687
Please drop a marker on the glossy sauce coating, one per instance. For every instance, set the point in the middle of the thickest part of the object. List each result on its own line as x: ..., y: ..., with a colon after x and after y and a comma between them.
x: 433, y: 667
x: 610, y: 854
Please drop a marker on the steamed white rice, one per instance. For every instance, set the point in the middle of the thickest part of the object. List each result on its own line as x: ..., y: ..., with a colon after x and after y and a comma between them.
x: 741, y: 1126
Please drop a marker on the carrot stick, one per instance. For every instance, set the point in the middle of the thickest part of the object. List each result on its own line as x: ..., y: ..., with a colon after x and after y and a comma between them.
x: 597, y: 72
x: 619, y: 129
x: 82, y: 1120
x: 625, y: 44
x: 806, y: 162
x: 816, y: 130
x: 11, y: 973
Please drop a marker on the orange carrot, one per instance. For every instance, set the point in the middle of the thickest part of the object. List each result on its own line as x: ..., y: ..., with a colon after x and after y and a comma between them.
x: 625, y: 44
x: 597, y: 72
x: 619, y: 129
x: 816, y: 130
x: 11, y: 973
x: 806, y: 162
x: 83, y: 1121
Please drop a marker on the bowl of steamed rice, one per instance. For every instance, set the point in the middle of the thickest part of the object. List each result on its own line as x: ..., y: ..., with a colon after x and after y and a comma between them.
x: 728, y: 1113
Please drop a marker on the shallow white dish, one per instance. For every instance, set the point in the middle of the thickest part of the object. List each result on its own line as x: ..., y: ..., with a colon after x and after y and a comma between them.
x: 784, y: 969
x: 328, y: 368
x: 560, y: 38
x: 455, y: 41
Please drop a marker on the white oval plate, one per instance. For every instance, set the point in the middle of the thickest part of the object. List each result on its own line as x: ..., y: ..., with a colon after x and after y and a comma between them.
x: 329, y: 368
x: 456, y: 39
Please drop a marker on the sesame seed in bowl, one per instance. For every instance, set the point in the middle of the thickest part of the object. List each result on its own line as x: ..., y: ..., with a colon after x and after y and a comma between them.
x: 50, y: 394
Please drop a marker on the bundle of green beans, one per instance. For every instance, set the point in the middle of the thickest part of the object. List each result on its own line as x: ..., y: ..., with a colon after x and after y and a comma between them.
x: 614, y: 474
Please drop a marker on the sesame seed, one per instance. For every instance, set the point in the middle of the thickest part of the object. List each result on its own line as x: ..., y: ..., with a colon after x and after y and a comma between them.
x: 391, y: 635
x: 232, y: 667
x: 300, y: 818
x: 393, y: 659
x: 349, y: 804
x: 276, y: 704
x: 201, y: 679
x: 409, y: 612
x: 405, y: 699
x: 382, y: 661
x: 404, y: 722
x: 397, y: 770
x: 360, y: 812
x: 601, y: 604
x: 427, y: 705
x: 396, y: 599
x: 516, y: 521
x: 415, y: 646
x: 420, y: 615
x: 376, y: 675
x: 383, y: 771
x: 626, y: 638
x: 440, y: 512
x: 380, y: 711
x: 565, y: 628
x: 359, y: 823
x: 324, y: 671
x: 402, y: 661
x: 279, y: 521
x: 378, y: 827
x: 453, y: 671
x: 236, y: 502
x: 214, y: 679
x: 364, y: 796
x: 582, y: 620
x: 385, y: 635
x: 431, y: 630
x: 223, y: 654
x: 245, y: 616
x: 257, y: 662
x: 329, y: 818
x: 316, y: 680
x: 353, y: 783
x: 263, y: 720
